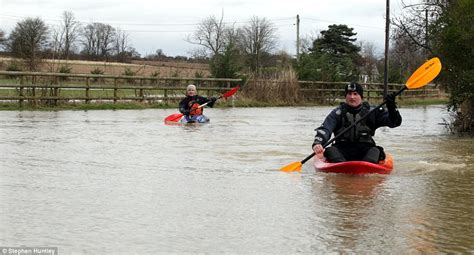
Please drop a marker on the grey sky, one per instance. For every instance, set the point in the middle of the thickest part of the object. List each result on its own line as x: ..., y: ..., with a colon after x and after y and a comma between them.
x: 164, y: 25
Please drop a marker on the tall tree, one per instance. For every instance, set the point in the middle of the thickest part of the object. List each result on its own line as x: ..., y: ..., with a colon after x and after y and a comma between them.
x: 28, y: 40
x: 452, y: 42
x: 416, y: 23
x: 218, y: 44
x: 258, y: 38
x: 123, y: 51
x: 226, y: 64
x: 336, y: 41
x: 405, y: 56
x: 2, y: 38
x: 69, y: 33
x: 412, y: 37
x: 333, y: 56
x: 369, y: 62
x: 210, y: 35
x: 98, y: 40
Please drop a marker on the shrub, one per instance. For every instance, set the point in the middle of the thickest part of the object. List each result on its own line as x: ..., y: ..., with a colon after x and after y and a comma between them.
x: 14, y: 67
x: 129, y: 72
x: 276, y: 87
x: 155, y: 74
x: 66, y: 70
x: 97, y: 71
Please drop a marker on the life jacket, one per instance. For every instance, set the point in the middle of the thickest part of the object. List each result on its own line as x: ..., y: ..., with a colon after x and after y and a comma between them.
x: 195, y: 109
x: 361, y: 132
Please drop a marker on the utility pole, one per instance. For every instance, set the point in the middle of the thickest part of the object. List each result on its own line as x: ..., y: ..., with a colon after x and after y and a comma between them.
x: 387, y: 31
x: 298, y: 37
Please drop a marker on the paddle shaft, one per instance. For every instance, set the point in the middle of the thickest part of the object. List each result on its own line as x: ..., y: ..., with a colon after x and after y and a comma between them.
x: 226, y: 95
x: 351, y: 126
x: 201, y: 106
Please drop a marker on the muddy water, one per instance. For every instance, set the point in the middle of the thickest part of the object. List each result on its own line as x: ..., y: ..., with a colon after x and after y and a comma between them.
x: 122, y: 181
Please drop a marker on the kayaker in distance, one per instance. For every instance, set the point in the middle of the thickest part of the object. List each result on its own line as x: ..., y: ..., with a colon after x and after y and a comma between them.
x: 189, y: 106
x: 357, y: 143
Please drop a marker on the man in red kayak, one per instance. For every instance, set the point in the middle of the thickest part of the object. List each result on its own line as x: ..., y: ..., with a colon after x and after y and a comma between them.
x: 357, y: 143
x: 189, y: 106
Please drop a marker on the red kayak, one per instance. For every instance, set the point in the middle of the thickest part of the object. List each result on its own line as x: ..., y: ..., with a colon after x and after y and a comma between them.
x: 355, y: 167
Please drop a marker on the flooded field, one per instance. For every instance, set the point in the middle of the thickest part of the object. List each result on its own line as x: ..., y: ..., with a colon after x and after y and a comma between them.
x: 123, y: 182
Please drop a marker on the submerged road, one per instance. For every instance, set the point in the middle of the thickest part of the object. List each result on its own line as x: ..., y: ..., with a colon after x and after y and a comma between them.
x: 122, y: 181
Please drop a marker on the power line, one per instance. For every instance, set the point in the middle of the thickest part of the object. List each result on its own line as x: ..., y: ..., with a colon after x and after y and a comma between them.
x: 338, y: 22
x: 9, y: 16
x: 16, y: 17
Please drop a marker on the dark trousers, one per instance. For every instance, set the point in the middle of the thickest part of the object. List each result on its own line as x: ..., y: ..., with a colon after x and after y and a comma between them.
x: 353, y: 151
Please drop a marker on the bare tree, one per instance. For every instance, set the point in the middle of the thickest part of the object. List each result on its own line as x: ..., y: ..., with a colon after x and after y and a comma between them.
x: 69, y: 33
x: 2, y: 37
x: 63, y: 39
x: 28, y: 40
x: 55, y: 49
x: 210, y: 34
x: 369, y: 61
x: 416, y: 22
x: 405, y: 55
x: 257, y: 39
x: 307, y: 41
x: 98, y: 39
x: 122, y: 46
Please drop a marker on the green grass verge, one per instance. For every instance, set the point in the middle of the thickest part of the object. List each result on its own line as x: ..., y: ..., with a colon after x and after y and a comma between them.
x: 83, y: 106
x: 241, y: 102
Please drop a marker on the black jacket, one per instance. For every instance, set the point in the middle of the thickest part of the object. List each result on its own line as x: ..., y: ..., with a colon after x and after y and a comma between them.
x: 334, y: 122
x: 187, y: 102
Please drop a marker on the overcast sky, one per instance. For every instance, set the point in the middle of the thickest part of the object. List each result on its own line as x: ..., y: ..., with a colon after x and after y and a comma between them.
x: 158, y: 24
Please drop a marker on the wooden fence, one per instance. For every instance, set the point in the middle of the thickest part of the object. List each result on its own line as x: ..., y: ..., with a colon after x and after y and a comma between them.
x: 329, y: 92
x: 54, y: 88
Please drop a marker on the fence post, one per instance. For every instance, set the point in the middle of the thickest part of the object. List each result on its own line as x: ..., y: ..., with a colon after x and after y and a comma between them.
x: 33, y: 82
x: 20, y: 102
x: 56, y: 91
x: 115, y: 90
x: 141, y: 91
x: 87, y: 90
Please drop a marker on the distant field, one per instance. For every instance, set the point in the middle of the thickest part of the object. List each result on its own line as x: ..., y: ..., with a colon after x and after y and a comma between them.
x: 142, y: 68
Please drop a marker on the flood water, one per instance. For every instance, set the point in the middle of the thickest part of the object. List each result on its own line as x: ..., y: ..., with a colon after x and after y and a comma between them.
x: 123, y: 182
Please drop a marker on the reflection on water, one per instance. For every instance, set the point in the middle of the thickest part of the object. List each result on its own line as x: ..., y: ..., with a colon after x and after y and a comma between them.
x: 96, y: 181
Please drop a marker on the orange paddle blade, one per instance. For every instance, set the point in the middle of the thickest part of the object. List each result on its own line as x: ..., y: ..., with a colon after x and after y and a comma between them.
x: 424, y: 74
x: 292, y: 167
x: 174, y: 117
x: 230, y: 92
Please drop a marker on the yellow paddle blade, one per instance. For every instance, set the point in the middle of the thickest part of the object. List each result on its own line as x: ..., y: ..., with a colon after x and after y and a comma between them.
x: 292, y: 167
x: 424, y: 74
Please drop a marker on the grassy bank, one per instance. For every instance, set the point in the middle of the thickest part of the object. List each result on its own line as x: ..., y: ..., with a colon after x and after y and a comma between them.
x: 241, y: 102
x: 83, y: 106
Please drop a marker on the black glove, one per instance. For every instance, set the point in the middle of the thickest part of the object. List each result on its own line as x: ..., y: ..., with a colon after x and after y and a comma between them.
x: 213, y: 99
x: 393, y: 113
x: 390, y: 101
